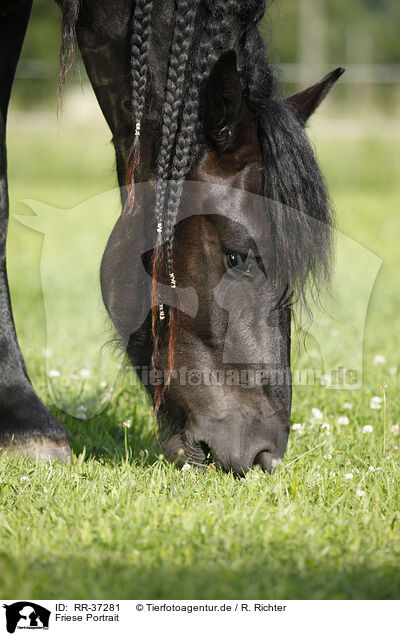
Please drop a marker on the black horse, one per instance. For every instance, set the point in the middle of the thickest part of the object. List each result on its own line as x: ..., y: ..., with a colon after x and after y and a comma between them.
x: 221, y: 195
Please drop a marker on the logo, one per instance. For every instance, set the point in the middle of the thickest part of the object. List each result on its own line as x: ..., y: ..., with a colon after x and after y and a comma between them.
x: 26, y: 615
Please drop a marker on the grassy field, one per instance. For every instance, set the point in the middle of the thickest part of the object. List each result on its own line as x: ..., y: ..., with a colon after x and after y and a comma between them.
x: 128, y: 525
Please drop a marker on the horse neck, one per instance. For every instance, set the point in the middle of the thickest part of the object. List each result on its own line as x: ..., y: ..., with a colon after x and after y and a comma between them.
x: 104, y: 41
x: 103, y: 35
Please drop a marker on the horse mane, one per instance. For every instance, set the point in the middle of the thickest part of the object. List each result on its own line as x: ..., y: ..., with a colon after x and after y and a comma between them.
x: 300, y: 213
x: 70, y: 13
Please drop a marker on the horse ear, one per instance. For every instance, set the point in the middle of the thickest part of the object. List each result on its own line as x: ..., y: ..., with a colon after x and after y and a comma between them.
x: 224, y: 103
x: 307, y: 101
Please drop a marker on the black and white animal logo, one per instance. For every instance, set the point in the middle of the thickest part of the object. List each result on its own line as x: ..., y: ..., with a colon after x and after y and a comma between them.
x: 26, y: 615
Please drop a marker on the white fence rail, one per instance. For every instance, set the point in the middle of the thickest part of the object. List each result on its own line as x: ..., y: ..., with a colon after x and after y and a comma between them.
x: 290, y: 73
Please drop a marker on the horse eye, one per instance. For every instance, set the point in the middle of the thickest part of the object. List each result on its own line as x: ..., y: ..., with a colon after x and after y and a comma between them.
x: 238, y: 261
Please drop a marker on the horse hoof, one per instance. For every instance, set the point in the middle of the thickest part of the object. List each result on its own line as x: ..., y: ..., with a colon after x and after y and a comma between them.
x: 43, y: 449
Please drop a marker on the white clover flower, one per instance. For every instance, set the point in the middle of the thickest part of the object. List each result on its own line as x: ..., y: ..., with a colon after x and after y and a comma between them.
x: 298, y: 427
x: 187, y: 466
x: 325, y: 426
x: 54, y: 373
x: 343, y: 420
x: 103, y: 384
x: 379, y: 359
x: 376, y: 403
x: 348, y: 406
x: 84, y: 373
x: 367, y: 429
x: 317, y: 414
x: 396, y: 429
x: 348, y: 476
x: 360, y: 493
x: 24, y: 479
x: 328, y: 457
x: 371, y: 469
x: 127, y: 423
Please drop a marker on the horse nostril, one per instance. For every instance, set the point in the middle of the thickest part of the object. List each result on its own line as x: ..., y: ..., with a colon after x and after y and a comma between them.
x: 266, y: 461
x: 207, y: 452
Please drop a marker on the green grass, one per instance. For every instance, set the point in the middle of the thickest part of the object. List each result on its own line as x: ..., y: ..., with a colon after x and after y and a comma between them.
x: 111, y: 526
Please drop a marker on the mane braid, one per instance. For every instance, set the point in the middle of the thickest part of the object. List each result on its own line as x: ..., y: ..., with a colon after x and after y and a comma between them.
x: 139, y: 70
x: 183, y: 28
x: 221, y: 14
x: 182, y: 38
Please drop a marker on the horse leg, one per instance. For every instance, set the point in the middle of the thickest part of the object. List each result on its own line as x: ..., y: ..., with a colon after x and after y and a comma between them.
x: 26, y: 426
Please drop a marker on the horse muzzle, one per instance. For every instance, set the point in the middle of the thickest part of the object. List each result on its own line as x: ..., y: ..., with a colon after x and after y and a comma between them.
x: 233, y: 446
